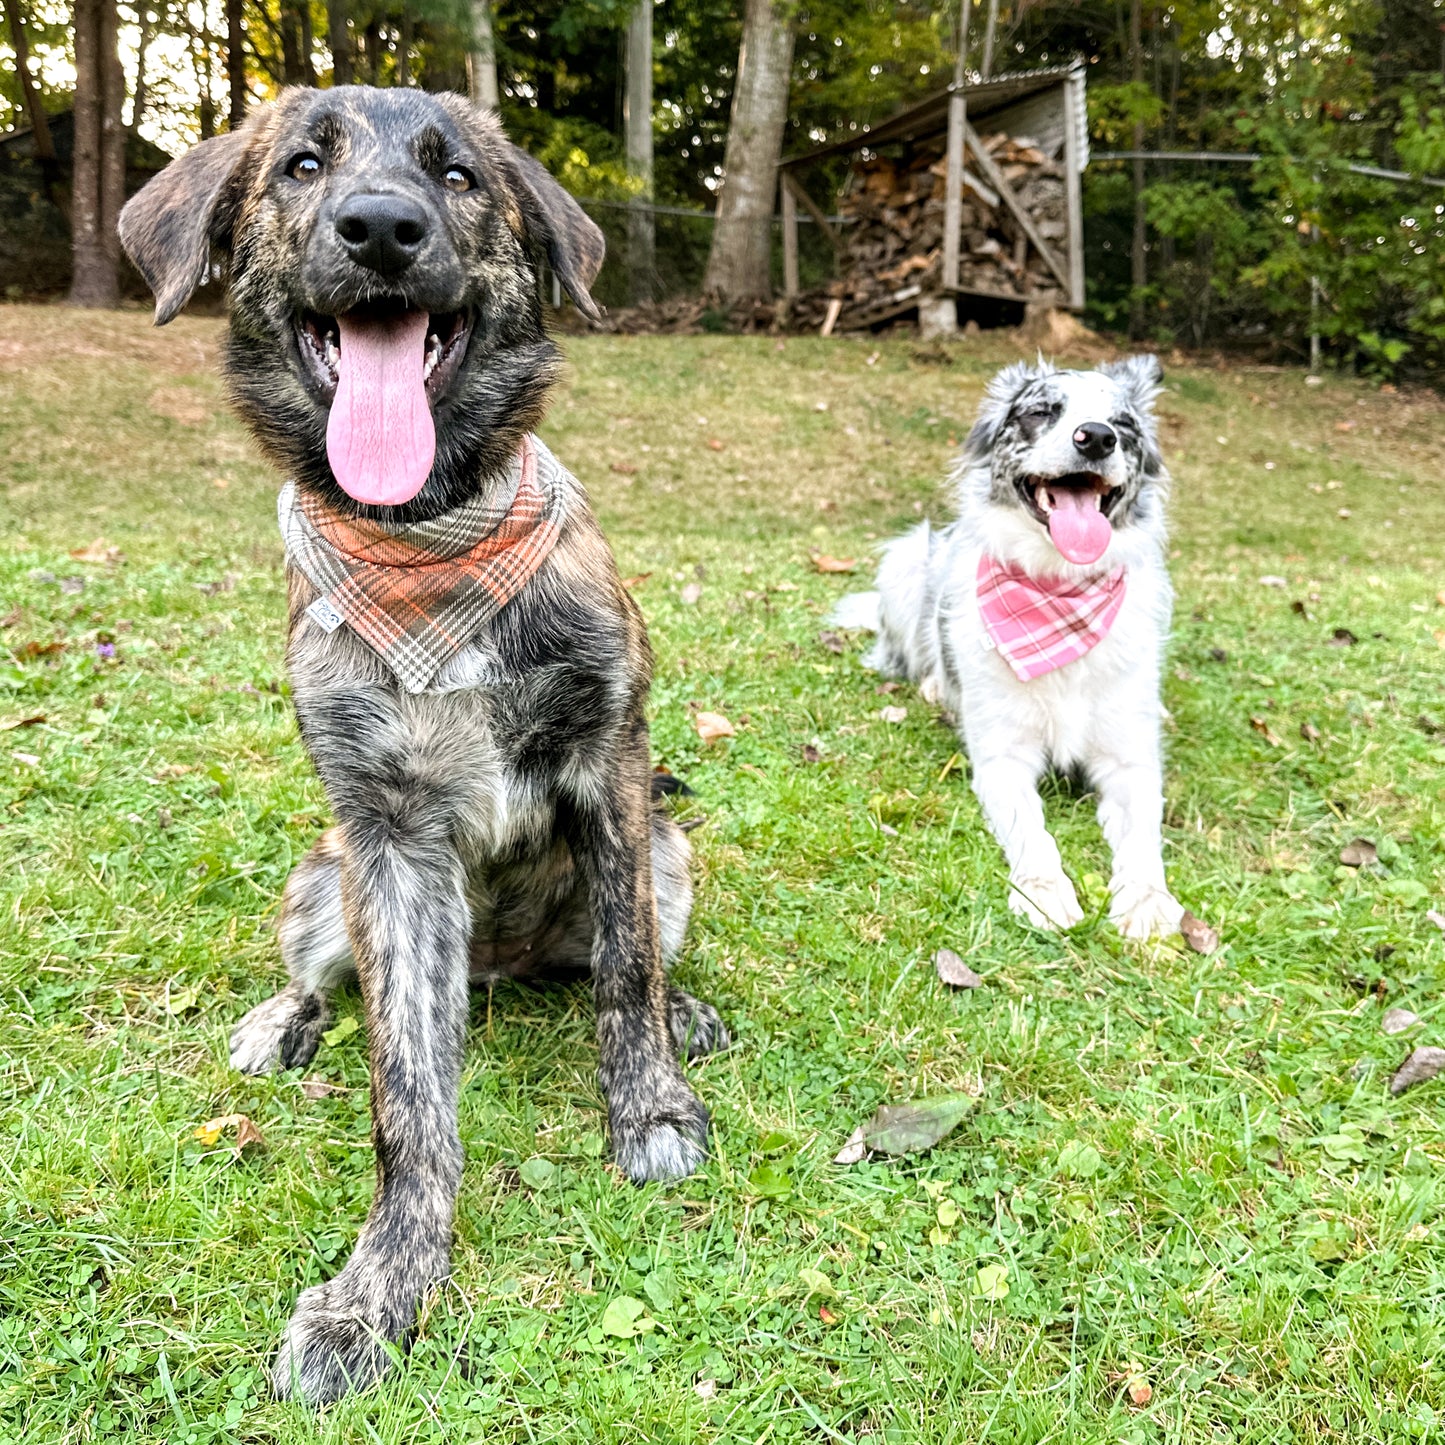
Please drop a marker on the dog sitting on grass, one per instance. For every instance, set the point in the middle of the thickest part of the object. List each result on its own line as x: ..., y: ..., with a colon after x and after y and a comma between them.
x: 470, y: 676
x: 1038, y: 619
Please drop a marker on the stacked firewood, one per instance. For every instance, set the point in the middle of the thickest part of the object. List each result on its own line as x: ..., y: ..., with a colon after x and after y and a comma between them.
x: 890, y: 248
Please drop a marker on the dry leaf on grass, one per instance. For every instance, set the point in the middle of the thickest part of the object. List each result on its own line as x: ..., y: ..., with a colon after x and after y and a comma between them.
x: 1434, y: 916
x: 811, y: 754
x: 692, y: 593
x: 853, y: 1149
x: 1398, y: 1021
x: 894, y: 714
x: 319, y: 1089
x: 954, y: 971
x: 245, y: 1131
x: 824, y: 563
x: 831, y: 641
x: 1419, y: 1068
x: 624, y: 469
x: 1359, y: 853
x: 98, y: 551
x: 10, y: 724
x: 636, y: 580
x: 1342, y: 637
x: 1198, y: 935
x: 906, y: 1128
x: 1139, y: 1391
x: 1309, y: 732
x: 1262, y: 727
x: 713, y: 725
x: 715, y: 444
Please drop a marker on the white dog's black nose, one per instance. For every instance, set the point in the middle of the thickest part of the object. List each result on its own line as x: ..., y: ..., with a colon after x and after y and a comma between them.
x: 383, y: 233
x: 1095, y: 440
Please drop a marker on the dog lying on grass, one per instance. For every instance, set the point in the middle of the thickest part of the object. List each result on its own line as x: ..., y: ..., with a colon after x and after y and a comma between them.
x: 469, y: 673
x: 1038, y: 619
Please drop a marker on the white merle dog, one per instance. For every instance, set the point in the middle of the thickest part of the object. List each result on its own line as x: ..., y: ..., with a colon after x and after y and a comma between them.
x: 1038, y: 619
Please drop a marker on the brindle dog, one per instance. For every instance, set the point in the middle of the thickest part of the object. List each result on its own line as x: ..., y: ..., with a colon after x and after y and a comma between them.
x: 503, y: 818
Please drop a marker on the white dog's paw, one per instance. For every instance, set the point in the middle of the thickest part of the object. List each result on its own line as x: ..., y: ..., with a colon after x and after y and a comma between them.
x: 1145, y: 911
x: 931, y: 689
x: 1048, y: 903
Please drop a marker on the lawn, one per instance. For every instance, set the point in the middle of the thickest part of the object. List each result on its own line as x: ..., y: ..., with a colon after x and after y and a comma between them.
x: 1185, y: 1206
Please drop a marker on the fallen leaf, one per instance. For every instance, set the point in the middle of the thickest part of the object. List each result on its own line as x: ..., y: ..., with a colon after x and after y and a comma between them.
x: 1309, y: 732
x: 314, y: 1089
x: 183, y: 1000
x: 1345, y: 425
x: 72, y: 585
x: 1359, y: 853
x: 1398, y: 1021
x: 854, y: 1147
x: 1139, y: 1391
x: 1421, y: 1066
x: 1262, y: 727
x: 713, y: 725
x: 1344, y: 514
x: 1342, y: 637
x: 954, y: 971
x: 636, y: 580
x: 811, y: 754
x: 831, y: 641
x: 715, y: 444
x: 10, y: 724
x: 826, y: 1315
x: 343, y: 1030
x: 1270, y: 580
x: 99, y: 551
x: 824, y: 563
x: 624, y: 1318
x: 537, y: 1173
x: 991, y: 1282
x: 913, y: 1127
x: 12, y: 617
x: 29, y: 759
x: 705, y: 1389
x: 247, y: 1133
x: 691, y: 593
x: 39, y: 649
x: 624, y: 469
x: 894, y: 714
x: 1198, y: 935
x: 210, y: 1132
x: 816, y: 1282
x: 1436, y: 917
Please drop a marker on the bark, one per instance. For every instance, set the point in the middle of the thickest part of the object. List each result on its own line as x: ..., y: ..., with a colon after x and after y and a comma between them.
x: 29, y: 96
x: 290, y: 43
x: 482, y: 58
x: 98, y: 181
x: 371, y: 51
x: 147, y: 33
x: 339, y: 38
x: 1138, y: 262
x: 637, y: 127
x: 405, y: 39
x: 737, y: 265
x: 236, y: 60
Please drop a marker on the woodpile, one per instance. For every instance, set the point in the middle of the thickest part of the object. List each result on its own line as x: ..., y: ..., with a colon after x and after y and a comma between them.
x: 890, y: 247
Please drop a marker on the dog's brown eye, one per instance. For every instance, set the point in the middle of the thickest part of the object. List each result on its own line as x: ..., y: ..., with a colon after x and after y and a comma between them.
x: 458, y: 178
x: 305, y: 167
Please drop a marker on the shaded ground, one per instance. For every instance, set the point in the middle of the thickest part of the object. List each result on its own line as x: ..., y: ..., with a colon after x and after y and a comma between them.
x: 1190, y: 1168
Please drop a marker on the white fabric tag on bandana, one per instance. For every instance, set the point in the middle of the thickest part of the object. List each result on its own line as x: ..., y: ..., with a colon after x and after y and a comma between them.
x: 324, y: 615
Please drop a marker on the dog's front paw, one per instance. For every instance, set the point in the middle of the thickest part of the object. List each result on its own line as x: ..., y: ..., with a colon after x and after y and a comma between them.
x: 667, y: 1139
x: 1145, y: 911
x: 696, y: 1026
x: 332, y: 1345
x: 281, y: 1033
x: 1048, y: 903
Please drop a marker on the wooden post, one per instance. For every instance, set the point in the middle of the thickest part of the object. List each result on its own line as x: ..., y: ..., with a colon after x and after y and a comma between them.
x: 789, y: 206
x: 1074, y: 191
x: 953, y: 192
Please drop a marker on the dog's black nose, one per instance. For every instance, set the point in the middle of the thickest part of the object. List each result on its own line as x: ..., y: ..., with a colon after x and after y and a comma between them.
x: 383, y: 233
x: 1095, y: 440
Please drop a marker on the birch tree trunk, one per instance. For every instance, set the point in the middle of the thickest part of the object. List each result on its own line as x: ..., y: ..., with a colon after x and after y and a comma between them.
x: 482, y: 58
x: 637, y: 127
x: 737, y: 265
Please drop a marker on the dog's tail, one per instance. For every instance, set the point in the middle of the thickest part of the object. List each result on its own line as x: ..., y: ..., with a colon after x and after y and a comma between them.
x: 862, y: 611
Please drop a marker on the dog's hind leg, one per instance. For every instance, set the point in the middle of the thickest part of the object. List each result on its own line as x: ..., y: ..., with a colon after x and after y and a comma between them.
x: 283, y: 1032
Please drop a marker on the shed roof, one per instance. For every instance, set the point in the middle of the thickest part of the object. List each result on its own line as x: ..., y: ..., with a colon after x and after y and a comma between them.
x: 930, y: 117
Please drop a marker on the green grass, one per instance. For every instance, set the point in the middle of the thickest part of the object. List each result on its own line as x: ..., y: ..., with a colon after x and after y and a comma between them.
x: 1190, y: 1167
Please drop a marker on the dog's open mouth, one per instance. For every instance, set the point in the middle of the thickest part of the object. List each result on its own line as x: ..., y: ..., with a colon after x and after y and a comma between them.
x: 383, y: 371
x: 1075, y: 509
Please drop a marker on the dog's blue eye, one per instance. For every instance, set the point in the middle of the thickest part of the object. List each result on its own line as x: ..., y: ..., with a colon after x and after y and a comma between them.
x: 305, y: 167
x: 458, y: 178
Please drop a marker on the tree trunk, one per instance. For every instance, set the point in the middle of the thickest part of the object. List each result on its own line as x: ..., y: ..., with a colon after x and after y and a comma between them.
x: 236, y: 61
x: 371, y: 51
x: 98, y: 185
x: 737, y: 265
x: 1139, y: 266
x: 637, y: 127
x: 308, y: 60
x: 482, y: 58
x: 201, y: 40
x: 405, y: 39
x: 29, y: 97
x: 138, y: 96
x: 339, y: 39
x: 290, y: 43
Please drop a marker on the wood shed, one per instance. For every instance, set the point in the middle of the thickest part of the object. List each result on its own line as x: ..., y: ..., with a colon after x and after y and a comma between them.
x: 1026, y: 143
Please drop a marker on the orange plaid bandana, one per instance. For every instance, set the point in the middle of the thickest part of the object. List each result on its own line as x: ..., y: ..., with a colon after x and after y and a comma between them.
x: 417, y: 594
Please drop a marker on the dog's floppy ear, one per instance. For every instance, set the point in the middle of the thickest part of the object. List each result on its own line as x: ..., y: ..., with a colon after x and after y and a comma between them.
x: 571, y: 238
x: 1142, y: 378
x: 168, y: 226
x: 1002, y: 392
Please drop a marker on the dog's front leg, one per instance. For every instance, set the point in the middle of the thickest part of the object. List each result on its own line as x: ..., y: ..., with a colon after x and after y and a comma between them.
x: 1006, y: 784
x: 406, y: 912
x: 658, y: 1125
x: 1131, y: 813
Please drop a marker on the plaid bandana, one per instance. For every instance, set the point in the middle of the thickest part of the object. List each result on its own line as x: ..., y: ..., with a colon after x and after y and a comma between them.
x: 417, y: 594
x: 1040, y: 624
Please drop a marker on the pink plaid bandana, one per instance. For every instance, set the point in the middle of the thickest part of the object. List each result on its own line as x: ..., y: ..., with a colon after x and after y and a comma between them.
x: 1040, y: 624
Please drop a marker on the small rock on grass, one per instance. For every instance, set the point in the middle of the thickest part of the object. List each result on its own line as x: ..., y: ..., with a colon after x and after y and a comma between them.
x: 1419, y: 1068
x: 1398, y: 1020
x: 954, y: 971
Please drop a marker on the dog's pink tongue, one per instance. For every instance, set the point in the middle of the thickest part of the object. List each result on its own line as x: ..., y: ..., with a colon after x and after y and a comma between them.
x: 381, y: 439
x: 1079, y: 529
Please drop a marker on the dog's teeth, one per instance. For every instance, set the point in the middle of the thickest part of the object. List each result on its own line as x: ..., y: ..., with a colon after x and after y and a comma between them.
x: 333, y: 355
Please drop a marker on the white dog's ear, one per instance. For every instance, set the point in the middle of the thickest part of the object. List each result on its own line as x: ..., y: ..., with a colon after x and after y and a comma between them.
x: 1142, y: 377
x: 1005, y: 389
